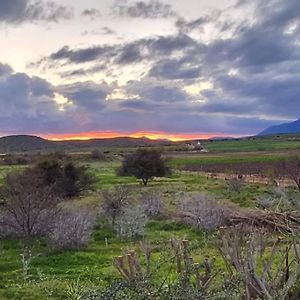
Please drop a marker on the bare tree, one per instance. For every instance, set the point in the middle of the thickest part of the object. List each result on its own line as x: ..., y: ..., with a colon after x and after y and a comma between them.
x: 292, y: 169
x: 29, y: 208
x: 114, y: 202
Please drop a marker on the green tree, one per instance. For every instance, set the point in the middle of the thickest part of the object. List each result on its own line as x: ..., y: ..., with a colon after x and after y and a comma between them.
x: 144, y: 164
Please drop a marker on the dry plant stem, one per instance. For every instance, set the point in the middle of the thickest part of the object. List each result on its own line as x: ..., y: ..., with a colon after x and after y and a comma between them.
x: 146, y: 249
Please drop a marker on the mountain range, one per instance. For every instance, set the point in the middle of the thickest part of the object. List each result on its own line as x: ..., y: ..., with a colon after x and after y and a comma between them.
x: 27, y: 143
x: 285, y: 128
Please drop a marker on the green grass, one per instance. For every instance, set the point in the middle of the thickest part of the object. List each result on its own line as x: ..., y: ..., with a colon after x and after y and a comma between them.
x: 54, y: 273
x: 229, y: 158
x: 93, y: 264
x: 261, y: 144
x: 4, y: 170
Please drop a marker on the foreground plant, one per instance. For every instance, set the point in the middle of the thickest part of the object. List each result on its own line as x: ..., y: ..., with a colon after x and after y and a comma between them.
x: 268, y: 267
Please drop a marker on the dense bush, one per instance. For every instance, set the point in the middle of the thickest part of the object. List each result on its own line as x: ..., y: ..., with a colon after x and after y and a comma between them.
x: 72, y: 229
x: 131, y: 223
x: 68, y: 179
x: 203, y: 211
x: 153, y: 203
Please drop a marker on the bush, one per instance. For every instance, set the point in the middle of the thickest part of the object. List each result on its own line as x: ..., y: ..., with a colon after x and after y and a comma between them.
x: 68, y: 179
x: 131, y: 223
x: 72, y: 230
x: 98, y: 155
x: 114, y: 201
x: 280, y: 200
x: 152, y: 204
x: 29, y: 207
x: 204, y: 212
x: 235, y: 184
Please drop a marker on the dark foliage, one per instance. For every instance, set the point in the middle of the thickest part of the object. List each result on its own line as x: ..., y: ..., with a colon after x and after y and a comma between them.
x: 98, y: 155
x: 144, y: 164
x: 68, y: 179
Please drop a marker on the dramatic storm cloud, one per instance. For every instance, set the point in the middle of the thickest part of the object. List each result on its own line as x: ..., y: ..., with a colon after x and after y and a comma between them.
x: 18, y: 11
x: 177, y: 67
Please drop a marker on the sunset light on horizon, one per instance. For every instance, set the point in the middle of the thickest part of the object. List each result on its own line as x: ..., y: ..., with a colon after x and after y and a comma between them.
x: 139, y: 134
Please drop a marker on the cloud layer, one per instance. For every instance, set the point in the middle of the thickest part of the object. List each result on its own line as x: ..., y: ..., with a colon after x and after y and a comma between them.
x: 19, y: 11
x: 231, y: 71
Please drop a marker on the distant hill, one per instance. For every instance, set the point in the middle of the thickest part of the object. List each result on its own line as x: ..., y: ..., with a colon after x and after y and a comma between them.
x: 286, y: 128
x: 24, y: 143
x: 28, y: 143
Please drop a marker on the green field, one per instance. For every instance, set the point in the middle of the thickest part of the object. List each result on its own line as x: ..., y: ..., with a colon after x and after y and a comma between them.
x: 255, y: 144
x: 59, y: 271
x: 59, y: 275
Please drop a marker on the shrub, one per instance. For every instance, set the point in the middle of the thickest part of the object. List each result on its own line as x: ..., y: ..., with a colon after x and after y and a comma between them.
x: 114, y: 201
x: 292, y: 168
x: 68, y: 179
x: 72, y: 229
x: 280, y: 200
x: 131, y: 223
x: 29, y: 208
x: 152, y: 204
x: 203, y: 211
x: 235, y: 184
x: 98, y: 155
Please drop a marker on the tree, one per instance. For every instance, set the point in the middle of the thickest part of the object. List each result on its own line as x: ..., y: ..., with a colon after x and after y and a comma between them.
x: 114, y: 202
x: 67, y: 179
x: 30, y: 207
x: 292, y: 169
x: 144, y: 164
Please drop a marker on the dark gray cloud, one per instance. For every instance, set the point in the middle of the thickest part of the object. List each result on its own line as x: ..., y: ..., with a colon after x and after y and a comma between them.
x: 174, y: 69
x: 27, y: 105
x: 18, y: 11
x: 151, y: 9
x: 91, y: 13
x: 136, y: 51
x: 88, y: 96
x: 253, y: 72
x: 5, y: 69
x: 80, y: 55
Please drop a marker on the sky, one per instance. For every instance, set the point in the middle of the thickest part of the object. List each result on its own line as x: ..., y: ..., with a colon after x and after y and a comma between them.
x: 158, y: 68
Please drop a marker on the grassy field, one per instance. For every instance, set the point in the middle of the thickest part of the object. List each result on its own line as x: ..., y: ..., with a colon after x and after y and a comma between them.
x: 63, y: 275
x: 60, y: 270
x: 257, y: 144
x: 179, y: 161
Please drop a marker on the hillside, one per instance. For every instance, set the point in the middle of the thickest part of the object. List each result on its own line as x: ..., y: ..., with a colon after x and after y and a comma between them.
x: 28, y: 143
x: 24, y: 143
x: 286, y: 128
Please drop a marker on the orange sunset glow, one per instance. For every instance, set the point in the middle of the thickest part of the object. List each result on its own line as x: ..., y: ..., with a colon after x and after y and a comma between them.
x: 139, y: 134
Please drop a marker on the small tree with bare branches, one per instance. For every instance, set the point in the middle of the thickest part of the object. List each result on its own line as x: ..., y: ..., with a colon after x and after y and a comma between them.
x: 114, y: 202
x: 29, y: 208
x: 292, y: 169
